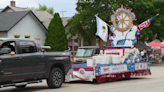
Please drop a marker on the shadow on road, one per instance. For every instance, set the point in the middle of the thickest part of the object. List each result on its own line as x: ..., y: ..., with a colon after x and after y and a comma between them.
x: 26, y: 89
x: 94, y: 82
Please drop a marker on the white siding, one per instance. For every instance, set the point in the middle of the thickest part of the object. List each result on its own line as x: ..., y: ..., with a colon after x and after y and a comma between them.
x: 9, y: 10
x: 30, y: 25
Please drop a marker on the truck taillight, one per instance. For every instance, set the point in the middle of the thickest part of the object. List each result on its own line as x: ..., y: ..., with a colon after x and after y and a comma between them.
x: 71, y: 60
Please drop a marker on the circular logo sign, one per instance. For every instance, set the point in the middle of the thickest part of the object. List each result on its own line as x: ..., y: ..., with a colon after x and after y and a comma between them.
x: 82, y: 71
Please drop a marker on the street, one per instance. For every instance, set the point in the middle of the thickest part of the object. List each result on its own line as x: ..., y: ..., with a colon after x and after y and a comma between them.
x: 152, y: 83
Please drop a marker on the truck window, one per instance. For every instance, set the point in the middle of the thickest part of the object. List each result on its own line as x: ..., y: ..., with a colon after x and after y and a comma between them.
x: 11, y: 45
x: 27, y: 47
x: 84, y: 52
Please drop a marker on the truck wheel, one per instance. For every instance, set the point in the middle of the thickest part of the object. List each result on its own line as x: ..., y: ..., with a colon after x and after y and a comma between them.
x: 22, y: 86
x: 56, y: 78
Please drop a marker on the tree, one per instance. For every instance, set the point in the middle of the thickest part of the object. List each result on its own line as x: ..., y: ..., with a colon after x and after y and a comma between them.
x: 56, y: 38
x: 84, y: 22
x: 44, y: 7
x: 146, y: 9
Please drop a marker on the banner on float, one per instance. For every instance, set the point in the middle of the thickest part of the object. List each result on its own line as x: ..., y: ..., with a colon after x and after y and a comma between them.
x: 81, y: 74
x: 118, y: 68
x: 105, y: 69
x: 140, y: 66
x: 112, y: 69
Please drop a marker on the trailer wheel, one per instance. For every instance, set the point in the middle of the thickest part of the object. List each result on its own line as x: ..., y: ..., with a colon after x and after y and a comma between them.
x: 22, y: 86
x: 94, y: 80
x: 56, y: 78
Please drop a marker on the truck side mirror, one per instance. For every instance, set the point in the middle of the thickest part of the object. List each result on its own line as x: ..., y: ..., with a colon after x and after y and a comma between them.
x: 5, y: 50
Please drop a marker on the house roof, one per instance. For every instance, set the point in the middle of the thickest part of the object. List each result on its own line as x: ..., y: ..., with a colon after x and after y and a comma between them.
x: 42, y: 15
x: 10, y: 19
x: 15, y: 8
x: 65, y: 20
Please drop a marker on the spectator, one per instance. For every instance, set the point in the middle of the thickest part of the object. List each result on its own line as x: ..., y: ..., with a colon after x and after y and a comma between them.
x: 142, y: 53
x: 145, y: 56
x: 160, y: 58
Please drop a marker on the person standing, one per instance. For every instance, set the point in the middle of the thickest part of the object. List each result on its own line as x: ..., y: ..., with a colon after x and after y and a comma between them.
x: 160, y: 56
x: 142, y: 53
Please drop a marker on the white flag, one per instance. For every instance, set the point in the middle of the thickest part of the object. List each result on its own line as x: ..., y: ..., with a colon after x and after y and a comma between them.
x: 102, y: 29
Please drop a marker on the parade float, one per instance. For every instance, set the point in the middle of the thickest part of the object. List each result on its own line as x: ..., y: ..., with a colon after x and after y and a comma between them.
x: 120, y: 60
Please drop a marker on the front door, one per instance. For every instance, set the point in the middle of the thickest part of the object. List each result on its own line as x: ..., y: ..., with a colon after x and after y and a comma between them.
x: 10, y: 66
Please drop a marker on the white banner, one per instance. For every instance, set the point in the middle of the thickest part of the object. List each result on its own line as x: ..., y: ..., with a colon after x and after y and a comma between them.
x: 118, y: 68
x: 105, y: 69
x: 140, y: 66
x: 81, y: 74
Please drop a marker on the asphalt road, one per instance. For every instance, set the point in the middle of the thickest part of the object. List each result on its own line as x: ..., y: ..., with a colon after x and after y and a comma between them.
x: 152, y: 83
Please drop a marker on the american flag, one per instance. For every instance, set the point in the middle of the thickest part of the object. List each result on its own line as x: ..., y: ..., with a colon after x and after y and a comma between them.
x: 146, y: 23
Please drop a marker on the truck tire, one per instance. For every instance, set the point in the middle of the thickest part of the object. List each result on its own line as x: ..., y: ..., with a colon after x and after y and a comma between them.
x: 56, y: 78
x: 22, y: 86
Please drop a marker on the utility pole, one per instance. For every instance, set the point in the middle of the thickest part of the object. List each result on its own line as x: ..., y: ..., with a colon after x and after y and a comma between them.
x: 63, y: 13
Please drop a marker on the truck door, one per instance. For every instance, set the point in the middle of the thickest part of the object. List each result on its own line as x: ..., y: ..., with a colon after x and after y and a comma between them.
x: 10, y: 65
x: 32, y: 60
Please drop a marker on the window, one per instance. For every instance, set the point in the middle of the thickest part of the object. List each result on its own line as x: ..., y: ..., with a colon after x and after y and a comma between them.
x: 104, y: 43
x: 16, y: 35
x: 76, y: 41
x: 11, y: 45
x: 73, y: 44
x: 70, y: 42
x: 38, y: 39
x: 27, y: 35
x: 28, y: 47
x: 97, y: 41
x: 84, y: 52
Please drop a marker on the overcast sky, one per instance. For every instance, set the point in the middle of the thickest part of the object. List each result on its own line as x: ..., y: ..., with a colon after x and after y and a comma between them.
x: 59, y: 5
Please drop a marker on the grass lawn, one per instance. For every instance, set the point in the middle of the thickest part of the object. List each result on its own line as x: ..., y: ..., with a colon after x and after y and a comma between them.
x: 157, y: 63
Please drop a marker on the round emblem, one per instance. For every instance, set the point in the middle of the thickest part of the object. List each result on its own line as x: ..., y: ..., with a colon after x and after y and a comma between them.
x: 104, y: 29
x: 81, y: 71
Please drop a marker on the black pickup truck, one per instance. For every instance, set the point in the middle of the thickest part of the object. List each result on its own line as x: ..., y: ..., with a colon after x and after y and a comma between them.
x: 31, y: 64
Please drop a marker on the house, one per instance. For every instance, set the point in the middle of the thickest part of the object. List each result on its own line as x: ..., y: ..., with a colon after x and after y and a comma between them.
x: 23, y: 24
x: 31, y: 24
x: 42, y: 15
x: 76, y: 41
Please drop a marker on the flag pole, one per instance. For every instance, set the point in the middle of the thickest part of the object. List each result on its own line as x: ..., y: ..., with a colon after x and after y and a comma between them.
x: 102, y: 20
